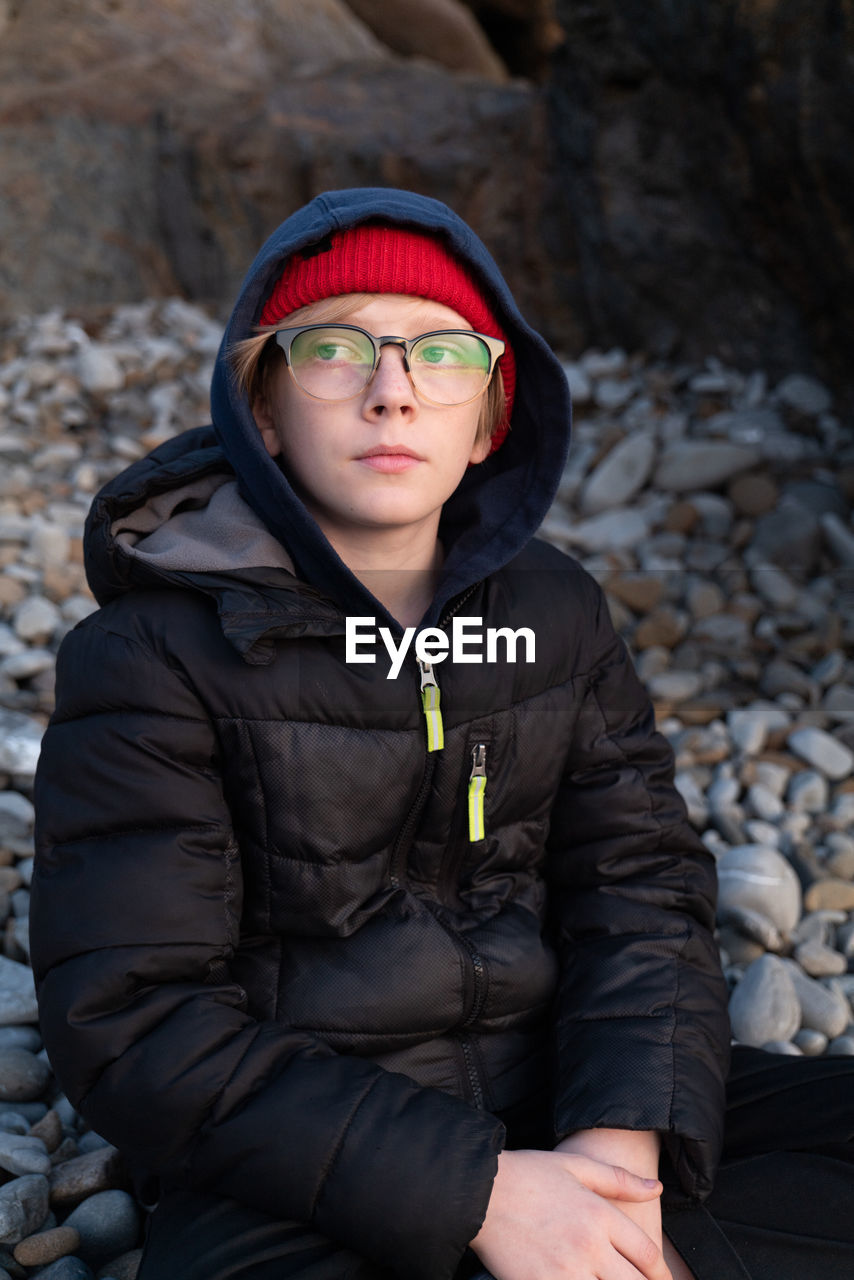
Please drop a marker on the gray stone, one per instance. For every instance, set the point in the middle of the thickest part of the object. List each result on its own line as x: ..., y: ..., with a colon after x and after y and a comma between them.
x: 96, y: 1171
x: 108, y: 1223
x: 811, y: 1043
x: 838, y: 702
x: 757, y: 878
x: 822, y: 751
x: 822, y: 1008
x: 580, y: 386
x: 723, y: 632
x: 839, y: 538
x: 16, y: 815
x: 692, y: 794
x: 609, y: 531
x: 17, y: 993
x: 781, y: 676
x: 758, y: 832
x: 23, y: 1076
x: 36, y: 619
x: 764, y: 803
x: 789, y: 536
x: 98, y: 369
x: 620, y: 474
x: 612, y: 393
x: 724, y: 790
x: 820, y: 961
x: 675, y: 686
x: 20, y: 743
x: 774, y: 586
x: 23, y: 1207
x: 20, y: 1154
x: 122, y: 1268
x: 808, y: 792
x: 23, y: 666
x: 686, y: 463
x: 787, y: 1047
x: 753, y: 925
x: 829, y: 669
x: 764, y: 1005
x: 748, y: 728
x: 841, y: 1046
x: 71, y: 1268
x: 773, y: 776
x: 806, y: 395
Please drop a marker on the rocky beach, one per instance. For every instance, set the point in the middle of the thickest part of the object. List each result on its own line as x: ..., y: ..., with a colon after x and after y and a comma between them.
x: 714, y: 507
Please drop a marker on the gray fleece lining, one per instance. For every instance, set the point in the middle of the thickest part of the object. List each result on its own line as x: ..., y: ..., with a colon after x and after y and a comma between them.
x: 203, y: 527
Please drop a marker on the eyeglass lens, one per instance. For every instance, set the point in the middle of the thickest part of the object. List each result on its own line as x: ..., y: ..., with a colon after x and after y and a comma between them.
x: 334, y: 363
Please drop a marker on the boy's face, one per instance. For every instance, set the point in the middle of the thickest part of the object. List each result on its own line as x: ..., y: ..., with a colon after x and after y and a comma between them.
x: 385, y: 459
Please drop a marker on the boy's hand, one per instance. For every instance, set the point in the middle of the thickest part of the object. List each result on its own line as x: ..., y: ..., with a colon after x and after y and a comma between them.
x: 554, y: 1214
x: 637, y: 1151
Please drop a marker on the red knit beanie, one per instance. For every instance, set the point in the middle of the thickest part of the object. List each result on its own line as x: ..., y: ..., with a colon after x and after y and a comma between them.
x: 381, y: 259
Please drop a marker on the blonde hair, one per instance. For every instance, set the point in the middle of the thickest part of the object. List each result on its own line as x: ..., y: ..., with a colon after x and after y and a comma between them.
x: 256, y: 361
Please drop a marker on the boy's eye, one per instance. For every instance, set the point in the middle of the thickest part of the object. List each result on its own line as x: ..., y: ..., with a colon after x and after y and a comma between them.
x: 457, y: 352
x: 331, y: 350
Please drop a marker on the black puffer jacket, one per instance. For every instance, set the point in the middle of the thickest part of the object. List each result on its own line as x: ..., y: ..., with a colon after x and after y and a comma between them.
x: 271, y: 957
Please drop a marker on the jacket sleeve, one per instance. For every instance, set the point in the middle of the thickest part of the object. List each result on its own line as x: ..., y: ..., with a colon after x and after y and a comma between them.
x: 641, y: 1024
x: 135, y: 912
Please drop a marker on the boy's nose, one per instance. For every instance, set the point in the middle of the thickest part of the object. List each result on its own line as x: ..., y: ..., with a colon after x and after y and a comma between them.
x: 390, y: 389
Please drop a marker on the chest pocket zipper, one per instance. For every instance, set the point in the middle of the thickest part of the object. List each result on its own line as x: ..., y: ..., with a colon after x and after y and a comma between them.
x: 476, y: 793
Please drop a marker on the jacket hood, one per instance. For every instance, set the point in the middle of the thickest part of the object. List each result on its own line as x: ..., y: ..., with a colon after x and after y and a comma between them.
x: 498, y: 506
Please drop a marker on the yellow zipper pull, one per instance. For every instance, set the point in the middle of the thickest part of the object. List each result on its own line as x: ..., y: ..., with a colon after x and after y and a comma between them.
x: 430, y: 702
x: 477, y: 790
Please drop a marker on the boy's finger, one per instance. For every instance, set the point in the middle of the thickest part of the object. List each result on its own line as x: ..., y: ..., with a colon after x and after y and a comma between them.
x: 611, y: 1180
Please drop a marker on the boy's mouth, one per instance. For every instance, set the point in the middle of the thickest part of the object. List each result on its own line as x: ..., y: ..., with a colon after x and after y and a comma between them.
x: 390, y: 458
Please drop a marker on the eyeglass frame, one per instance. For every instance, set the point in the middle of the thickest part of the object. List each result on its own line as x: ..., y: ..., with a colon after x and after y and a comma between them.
x: 495, y: 346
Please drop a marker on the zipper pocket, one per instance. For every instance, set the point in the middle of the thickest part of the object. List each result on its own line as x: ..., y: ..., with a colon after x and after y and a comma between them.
x: 430, y: 699
x: 476, y: 793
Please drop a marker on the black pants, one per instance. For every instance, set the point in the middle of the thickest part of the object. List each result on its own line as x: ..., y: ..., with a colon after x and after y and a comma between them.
x: 782, y: 1208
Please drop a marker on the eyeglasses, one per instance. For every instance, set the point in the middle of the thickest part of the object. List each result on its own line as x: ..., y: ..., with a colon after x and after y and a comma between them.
x: 337, y: 361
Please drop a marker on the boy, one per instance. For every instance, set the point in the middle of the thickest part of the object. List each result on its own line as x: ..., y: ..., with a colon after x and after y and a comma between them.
x: 314, y: 945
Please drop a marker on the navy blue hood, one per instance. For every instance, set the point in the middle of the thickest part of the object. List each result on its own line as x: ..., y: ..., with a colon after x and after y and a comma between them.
x: 498, y: 506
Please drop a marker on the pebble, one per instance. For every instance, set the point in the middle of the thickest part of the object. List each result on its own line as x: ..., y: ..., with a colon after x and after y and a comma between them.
x: 810, y: 1042
x: 23, y: 1076
x: 805, y: 394
x: 758, y: 878
x: 16, y: 815
x: 20, y: 743
x: 21, y: 1153
x: 108, y: 1223
x: 822, y: 1008
x: 124, y: 1267
x: 46, y: 1246
x: 74, y: 1180
x: 818, y: 960
x: 764, y: 1005
x: 69, y: 1268
x: 23, y: 1207
x: 36, y: 619
x: 822, y: 751
x: 830, y: 894
x: 682, y: 463
x: 620, y: 475
x: 17, y: 993
x: 808, y: 792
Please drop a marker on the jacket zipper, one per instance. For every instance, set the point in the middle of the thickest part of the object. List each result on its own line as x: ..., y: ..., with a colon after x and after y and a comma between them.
x: 476, y: 792
x: 430, y: 698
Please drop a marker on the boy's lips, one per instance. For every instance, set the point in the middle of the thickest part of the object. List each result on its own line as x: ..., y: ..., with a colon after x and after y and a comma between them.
x: 390, y: 458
